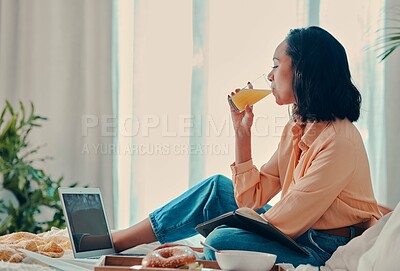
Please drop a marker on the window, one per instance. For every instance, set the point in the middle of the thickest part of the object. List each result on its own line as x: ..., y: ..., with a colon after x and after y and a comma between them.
x: 156, y: 62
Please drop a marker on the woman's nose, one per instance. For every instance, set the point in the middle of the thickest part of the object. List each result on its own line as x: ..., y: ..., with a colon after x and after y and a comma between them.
x: 270, y: 76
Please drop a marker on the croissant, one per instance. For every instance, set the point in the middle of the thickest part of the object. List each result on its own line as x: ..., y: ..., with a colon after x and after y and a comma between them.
x: 51, y: 244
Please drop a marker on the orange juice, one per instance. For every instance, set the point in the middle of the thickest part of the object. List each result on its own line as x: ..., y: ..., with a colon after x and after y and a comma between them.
x: 247, y: 97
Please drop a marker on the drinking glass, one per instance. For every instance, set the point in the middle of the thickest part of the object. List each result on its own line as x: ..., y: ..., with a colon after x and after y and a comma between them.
x: 253, y: 92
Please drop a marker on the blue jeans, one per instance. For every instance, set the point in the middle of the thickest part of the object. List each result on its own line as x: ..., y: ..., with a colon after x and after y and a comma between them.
x: 214, y: 196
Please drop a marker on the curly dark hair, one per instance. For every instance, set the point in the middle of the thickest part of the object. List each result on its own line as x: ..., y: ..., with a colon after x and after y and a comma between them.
x: 322, y: 83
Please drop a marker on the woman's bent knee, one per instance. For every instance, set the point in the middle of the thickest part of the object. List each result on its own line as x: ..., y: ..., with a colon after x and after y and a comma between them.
x: 221, y: 237
x: 220, y: 180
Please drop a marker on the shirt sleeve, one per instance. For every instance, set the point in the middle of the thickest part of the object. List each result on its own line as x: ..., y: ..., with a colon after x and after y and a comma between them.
x: 254, y: 188
x: 310, y: 196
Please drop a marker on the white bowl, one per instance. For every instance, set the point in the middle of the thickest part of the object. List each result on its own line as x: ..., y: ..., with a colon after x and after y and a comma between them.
x: 235, y: 260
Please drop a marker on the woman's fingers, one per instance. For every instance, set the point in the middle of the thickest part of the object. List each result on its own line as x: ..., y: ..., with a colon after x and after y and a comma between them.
x: 236, y: 91
x: 249, y: 113
x: 249, y: 109
x: 230, y: 104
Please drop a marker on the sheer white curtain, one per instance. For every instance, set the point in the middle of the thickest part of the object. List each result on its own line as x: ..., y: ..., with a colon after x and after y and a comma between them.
x: 159, y: 129
x: 378, y: 82
x: 57, y: 54
x: 391, y: 100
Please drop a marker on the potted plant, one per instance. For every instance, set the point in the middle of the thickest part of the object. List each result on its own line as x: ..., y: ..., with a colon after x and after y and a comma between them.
x: 25, y: 190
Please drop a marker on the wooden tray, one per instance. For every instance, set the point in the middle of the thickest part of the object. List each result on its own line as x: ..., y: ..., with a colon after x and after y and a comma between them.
x: 124, y: 263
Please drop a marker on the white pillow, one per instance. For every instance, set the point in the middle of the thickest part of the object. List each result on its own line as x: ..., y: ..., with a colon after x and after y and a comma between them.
x: 385, y: 252
x: 378, y: 248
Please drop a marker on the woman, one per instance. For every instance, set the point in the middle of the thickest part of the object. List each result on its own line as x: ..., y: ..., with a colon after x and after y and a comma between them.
x: 320, y: 166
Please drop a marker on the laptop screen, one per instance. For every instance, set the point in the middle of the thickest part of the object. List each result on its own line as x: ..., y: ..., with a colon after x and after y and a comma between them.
x: 87, y: 222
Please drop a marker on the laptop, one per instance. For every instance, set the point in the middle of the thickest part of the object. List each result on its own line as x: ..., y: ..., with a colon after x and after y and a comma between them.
x: 87, y: 223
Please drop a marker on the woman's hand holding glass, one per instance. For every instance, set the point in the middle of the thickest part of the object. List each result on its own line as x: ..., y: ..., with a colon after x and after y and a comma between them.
x: 242, y: 121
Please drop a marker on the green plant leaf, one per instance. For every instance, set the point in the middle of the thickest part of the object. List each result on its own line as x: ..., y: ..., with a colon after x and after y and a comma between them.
x: 2, y: 116
x: 22, y: 122
x: 21, y: 182
x: 8, y: 105
x: 386, y: 53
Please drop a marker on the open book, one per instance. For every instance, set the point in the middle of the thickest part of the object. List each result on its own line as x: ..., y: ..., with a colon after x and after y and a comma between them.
x: 248, y: 219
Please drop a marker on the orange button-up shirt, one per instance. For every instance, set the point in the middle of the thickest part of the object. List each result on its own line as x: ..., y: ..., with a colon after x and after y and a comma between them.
x: 323, y: 172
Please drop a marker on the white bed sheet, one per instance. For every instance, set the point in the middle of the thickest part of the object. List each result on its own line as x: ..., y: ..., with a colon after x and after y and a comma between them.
x: 30, y: 264
x: 146, y: 248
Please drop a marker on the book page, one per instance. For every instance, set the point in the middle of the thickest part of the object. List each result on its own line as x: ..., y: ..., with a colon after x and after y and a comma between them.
x: 248, y: 212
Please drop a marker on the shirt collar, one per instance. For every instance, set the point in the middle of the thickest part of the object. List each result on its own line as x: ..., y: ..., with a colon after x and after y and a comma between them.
x: 306, y: 132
